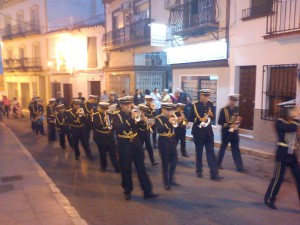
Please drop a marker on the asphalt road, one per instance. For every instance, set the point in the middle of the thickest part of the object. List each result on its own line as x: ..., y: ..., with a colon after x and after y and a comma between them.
x: 98, y: 196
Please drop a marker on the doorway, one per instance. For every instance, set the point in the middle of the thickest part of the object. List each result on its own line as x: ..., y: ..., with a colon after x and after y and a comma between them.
x: 95, y: 88
x: 55, y: 87
x: 25, y: 94
x: 68, y: 94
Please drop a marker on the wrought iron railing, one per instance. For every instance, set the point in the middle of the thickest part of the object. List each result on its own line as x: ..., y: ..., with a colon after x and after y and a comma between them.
x: 22, y: 64
x: 128, y: 35
x: 196, y: 14
x: 286, y: 17
x: 257, y: 11
x: 21, y: 29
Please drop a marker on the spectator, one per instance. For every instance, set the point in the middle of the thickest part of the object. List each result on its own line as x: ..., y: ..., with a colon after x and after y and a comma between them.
x: 124, y: 93
x: 147, y: 92
x: 104, y: 97
x: 1, y: 110
x: 184, y: 98
x: 138, y: 97
x: 166, y: 96
x: 6, y: 105
x: 156, y: 100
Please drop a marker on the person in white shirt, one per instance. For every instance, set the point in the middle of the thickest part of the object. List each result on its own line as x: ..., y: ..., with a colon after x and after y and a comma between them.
x: 156, y: 100
x: 166, y: 96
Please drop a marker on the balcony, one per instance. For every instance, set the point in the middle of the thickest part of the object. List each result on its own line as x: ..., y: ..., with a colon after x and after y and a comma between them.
x: 21, y: 30
x: 286, y: 19
x: 257, y: 11
x: 194, y: 18
x: 23, y: 64
x: 135, y: 34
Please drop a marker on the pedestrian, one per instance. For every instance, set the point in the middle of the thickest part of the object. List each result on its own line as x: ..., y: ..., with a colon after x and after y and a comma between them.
x: 38, y: 117
x: 89, y: 108
x: 76, y: 118
x: 104, y: 97
x: 166, y: 97
x: 31, y: 115
x: 51, y: 115
x: 156, y: 100
x: 229, y: 120
x: 104, y: 137
x: 144, y: 132
x: 151, y: 114
x: 184, y: 98
x: 59, y: 98
x: 130, y: 150
x: 113, y: 98
x: 167, y: 143
x: 286, y: 127
x: 138, y: 97
x: 1, y: 110
x: 201, y: 114
x: 81, y: 97
x: 123, y: 93
x: 63, y: 127
x: 6, y: 104
x: 180, y: 131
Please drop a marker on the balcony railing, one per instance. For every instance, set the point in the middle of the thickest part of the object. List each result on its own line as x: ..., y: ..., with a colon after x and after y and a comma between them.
x: 286, y: 17
x: 22, y: 64
x: 257, y: 11
x: 137, y: 33
x: 21, y: 30
x: 194, y: 18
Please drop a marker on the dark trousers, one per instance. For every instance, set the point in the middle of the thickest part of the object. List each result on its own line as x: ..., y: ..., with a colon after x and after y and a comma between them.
x: 276, y: 182
x: 38, y: 127
x: 145, y: 138
x: 208, y: 142
x: 51, y: 132
x: 233, y: 138
x: 180, y: 134
x: 107, y: 144
x: 168, y: 154
x: 89, y: 127
x: 62, y: 137
x: 6, y: 111
x: 154, y: 134
x: 132, y: 152
x: 79, y: 134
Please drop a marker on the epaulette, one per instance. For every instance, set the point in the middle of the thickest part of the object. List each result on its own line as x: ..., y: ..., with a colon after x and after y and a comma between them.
x: 69, y: 110
x: 158, y: 116
x: 195, y: 102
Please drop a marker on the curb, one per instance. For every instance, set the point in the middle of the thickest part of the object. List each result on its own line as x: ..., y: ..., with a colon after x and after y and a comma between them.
x: 63, y: 201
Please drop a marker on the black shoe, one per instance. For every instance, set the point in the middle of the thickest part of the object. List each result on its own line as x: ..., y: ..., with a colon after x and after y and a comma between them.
x: 91, y: 158
x: 77, y: 158
x: 168, y: 188
x: 151, y: 195
x: 175, y: 184
x: 199, y: 174
x: 220, y: 167
x: 154, y: 163
x: 103, y: 170
x: 185, y: 155
x: 216, y: 178
x: 117, y: 171
x: 271, y: 205
x: 127, y: 197
x: 242, y: 170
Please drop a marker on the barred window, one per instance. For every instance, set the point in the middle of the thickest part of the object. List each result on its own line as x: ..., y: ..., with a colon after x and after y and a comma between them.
x: 279, y: 85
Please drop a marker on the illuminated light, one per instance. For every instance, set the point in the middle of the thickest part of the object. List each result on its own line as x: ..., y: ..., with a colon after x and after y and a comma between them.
x: 50, y: 63
x: 114, y: 74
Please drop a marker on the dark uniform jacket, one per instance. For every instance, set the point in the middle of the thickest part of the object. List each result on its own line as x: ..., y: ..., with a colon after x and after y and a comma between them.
x: 287, y: 138
x: 74, y: 119
x: 163, y: 126
x: 51, y: 114
x: 61, y: 121
x: 101, y: 130
x: 198, y: 110
x: 150, y: 112
x: 227, y: 117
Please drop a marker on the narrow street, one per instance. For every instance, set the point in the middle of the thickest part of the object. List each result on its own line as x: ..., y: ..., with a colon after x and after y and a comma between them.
x: 98, y: 197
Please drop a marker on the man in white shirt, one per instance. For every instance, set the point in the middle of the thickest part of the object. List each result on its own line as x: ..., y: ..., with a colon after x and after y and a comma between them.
x: 156, y: 100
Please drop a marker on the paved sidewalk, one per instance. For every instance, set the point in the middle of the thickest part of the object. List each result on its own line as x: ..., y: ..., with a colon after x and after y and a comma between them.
x: 27, y: 194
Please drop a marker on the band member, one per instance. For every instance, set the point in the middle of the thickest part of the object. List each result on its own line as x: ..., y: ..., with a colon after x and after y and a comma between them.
x: 89, y: 107
x: 180, y: 131
x: 80, y: 97
x: 51, y: 114
x: 103, y: 136
x: 31, y: 115
x: 62, y: 126
x: 167, y: 143
x: 37, y: 117
x: 59, y: 98
x: 130, y: 149
x: 144, y: 132
x: 286, y: 127
x: 229, y: 119
x: 112, y: 98
x: 76, y: 118
x: 203, y: 135
x: 151, y: 114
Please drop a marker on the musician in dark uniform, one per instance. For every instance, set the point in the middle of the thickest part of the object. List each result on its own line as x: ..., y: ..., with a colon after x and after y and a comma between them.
x: 151, y: 114
x: 229, y: 119
x: 89, y: 107
x: 203, y: 135
x: 167, y: 142
x: 31, y: 115
x: 130, y: 149
x: 144, y: 132
x: 51, y: 114
x: 76, y: 118
x: 80, y: 97
x: 180, y: 131
x: 62, y: 126
x: 59, y: 99
x: 287, y: 129
x: 104, y: 138
x: 112, y: 98
x: 37, y: 117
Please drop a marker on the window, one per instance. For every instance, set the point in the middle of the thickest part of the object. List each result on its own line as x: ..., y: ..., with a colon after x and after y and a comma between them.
x: 20, y: 21
x: 92, y: 52
x: 34, y: 18
x: 279, y: 85
x: 259, y: 8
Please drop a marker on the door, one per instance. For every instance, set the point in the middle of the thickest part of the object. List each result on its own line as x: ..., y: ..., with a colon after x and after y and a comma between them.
x: 55, y: 87
x: 247, y: 98
x: 25, y: 99
x: 95, y: 88
x: 118, y: 83
x: 68, y: 94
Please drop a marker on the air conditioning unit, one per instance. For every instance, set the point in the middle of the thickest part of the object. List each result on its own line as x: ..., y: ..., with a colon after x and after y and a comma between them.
x: 126, y: 6
x: 170, y: 4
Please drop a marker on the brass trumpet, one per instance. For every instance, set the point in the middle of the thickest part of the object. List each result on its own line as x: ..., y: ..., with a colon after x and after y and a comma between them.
x: 175, y: 123
x: 108, y: 123
x: 138, y: 117
x: 80, y: 112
